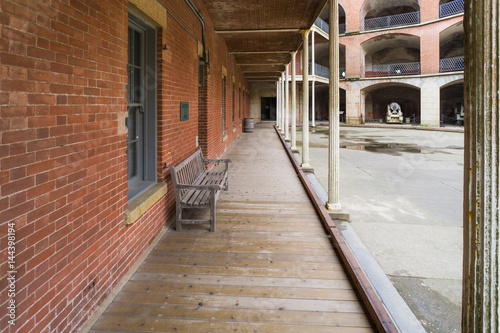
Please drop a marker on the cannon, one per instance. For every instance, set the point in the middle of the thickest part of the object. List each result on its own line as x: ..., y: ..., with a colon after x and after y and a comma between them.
x: 394, y: 114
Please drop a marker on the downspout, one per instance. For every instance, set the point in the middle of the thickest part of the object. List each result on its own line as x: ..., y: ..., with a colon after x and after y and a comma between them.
x: 202, y: 20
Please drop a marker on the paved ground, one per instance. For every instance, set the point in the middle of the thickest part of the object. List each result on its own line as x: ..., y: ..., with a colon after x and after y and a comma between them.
x: 403, y: 189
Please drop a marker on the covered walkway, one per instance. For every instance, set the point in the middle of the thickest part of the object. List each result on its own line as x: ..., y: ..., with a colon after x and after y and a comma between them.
x: 269, y: 267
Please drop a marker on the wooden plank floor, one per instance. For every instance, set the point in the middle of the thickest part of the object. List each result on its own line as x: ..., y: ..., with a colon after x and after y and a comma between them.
x: 269, y: 267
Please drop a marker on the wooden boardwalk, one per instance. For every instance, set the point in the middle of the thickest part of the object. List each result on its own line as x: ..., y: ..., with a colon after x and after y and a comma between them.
x: 269, y: 267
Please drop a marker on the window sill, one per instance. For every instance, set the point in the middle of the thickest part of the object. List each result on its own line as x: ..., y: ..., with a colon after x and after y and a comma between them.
x: 224, y: 138
x: 144, y: 202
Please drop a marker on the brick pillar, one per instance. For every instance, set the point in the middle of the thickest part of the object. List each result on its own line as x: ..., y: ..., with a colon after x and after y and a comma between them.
x: 429, y: 10
x: 353, y: 56
x: 481, y: 274
x: 429, y: 53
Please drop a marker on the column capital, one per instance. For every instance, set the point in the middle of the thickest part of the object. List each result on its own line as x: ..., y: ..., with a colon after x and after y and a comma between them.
x: 305, y: 32
x: 293, y: 52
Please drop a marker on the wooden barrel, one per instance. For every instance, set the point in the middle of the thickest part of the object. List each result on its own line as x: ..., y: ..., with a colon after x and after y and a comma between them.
x: 248, y: 125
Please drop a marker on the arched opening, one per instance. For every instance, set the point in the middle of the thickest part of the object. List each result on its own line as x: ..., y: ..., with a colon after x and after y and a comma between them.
x: 391, y: 55
x: 324, y: 19
x: 322, y: 99
x: 322, y: 60
x: 451, y: 48
x: 452, y: 103
x: 378, y: 98
x: 379, y: 14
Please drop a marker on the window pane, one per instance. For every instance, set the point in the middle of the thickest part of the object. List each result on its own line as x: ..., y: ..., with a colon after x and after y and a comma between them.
x: 132, y: 142
x: 130, y: 45
x: 137, y: 48
x: 129, y: 84
x: 137, y: 86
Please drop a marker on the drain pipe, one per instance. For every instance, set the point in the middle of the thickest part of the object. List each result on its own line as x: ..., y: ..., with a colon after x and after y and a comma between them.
x: 202, y: 20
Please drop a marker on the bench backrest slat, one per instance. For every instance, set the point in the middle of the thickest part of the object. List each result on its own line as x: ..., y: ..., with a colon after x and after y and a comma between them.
x: 187, y: 171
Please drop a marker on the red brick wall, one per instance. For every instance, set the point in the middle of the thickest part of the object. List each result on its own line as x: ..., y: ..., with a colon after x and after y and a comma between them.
x: 63, y: 164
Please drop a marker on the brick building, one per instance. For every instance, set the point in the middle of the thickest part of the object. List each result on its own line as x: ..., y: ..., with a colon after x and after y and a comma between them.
x: 97, y: 100
x: 408, y: 52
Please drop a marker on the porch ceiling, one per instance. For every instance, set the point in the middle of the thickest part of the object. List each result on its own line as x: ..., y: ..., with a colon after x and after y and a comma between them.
x: 262, y: 33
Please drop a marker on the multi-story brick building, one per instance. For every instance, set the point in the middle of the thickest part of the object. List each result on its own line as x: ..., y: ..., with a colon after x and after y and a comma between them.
x: 99, y: 98
x: 408, y: 52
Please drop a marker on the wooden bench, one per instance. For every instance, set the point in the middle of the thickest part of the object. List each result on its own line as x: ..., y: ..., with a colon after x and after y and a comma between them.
x: 197, y: 187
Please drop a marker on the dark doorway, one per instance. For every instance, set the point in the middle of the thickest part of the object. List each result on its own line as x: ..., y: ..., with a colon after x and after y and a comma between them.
x: 268, y: 108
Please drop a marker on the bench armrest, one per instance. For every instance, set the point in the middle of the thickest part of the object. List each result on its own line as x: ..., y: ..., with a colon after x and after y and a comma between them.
x: 227, y: 161
x: 206, y: 160
x: 200, y: 187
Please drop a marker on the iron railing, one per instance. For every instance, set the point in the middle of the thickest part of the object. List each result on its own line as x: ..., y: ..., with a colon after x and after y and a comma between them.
x: 451, y: 8
x: 342, y: 28
x: 323, y: 71
x: 411, y: 68
x: 391, y: 21
x: 326, y: 27
x: 451, y: 64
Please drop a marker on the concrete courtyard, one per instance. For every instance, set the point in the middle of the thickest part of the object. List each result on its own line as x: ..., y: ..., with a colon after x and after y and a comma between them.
x: 403, y: 190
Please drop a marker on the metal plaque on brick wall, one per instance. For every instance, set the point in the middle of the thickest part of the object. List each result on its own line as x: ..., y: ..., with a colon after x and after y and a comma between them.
x: 184, y: 111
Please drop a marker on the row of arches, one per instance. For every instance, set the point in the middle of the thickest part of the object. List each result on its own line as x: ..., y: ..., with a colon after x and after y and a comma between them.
x: 376, y: 98
x: 378, y: 14
x: 400, y: 54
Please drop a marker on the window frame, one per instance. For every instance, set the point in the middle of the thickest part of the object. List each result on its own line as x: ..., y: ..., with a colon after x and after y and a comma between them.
x: 146, y: 157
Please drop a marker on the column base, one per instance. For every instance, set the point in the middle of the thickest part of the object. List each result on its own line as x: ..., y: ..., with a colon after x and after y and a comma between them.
x: 306, y: 167
x: 294, y: 150
x: 337, y: 213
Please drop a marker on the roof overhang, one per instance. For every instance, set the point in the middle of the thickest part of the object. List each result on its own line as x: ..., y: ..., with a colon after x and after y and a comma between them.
x: 261, y: 34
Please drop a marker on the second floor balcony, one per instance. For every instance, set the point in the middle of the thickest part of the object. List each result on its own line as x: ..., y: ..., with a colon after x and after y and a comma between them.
x: 326, y: 27
x: 409, y: 68
x: 324, y: 71
x: 451, y: 8
x: 451, y: 64
x: 391, y: 21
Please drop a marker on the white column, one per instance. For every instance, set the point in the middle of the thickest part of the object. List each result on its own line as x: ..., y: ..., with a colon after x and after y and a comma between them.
x: 294, y: 103
x: 334, y: 107
x: 481, y: 214
x: 287, y: 105
x: 430, y: 103
x: 305, y: 100
x: 278, y: 105
x: 283, y: 105
x: 313, y: 73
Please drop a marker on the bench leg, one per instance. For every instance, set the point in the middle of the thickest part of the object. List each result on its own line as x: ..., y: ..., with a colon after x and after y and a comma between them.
x: 178, y: 218
x: 212, y: 212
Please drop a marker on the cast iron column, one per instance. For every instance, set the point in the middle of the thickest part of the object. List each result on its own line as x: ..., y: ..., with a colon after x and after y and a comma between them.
x: 334, y: 106
x: 305, y: 101
x: 481, y: 279
x: 278, y: 104
x: 283, y: 104
x: 287, y: 105
x: 294, y: 103
x: 313, y: 73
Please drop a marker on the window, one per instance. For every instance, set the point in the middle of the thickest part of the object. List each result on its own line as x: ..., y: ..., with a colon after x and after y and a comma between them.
x: 141, y: 106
